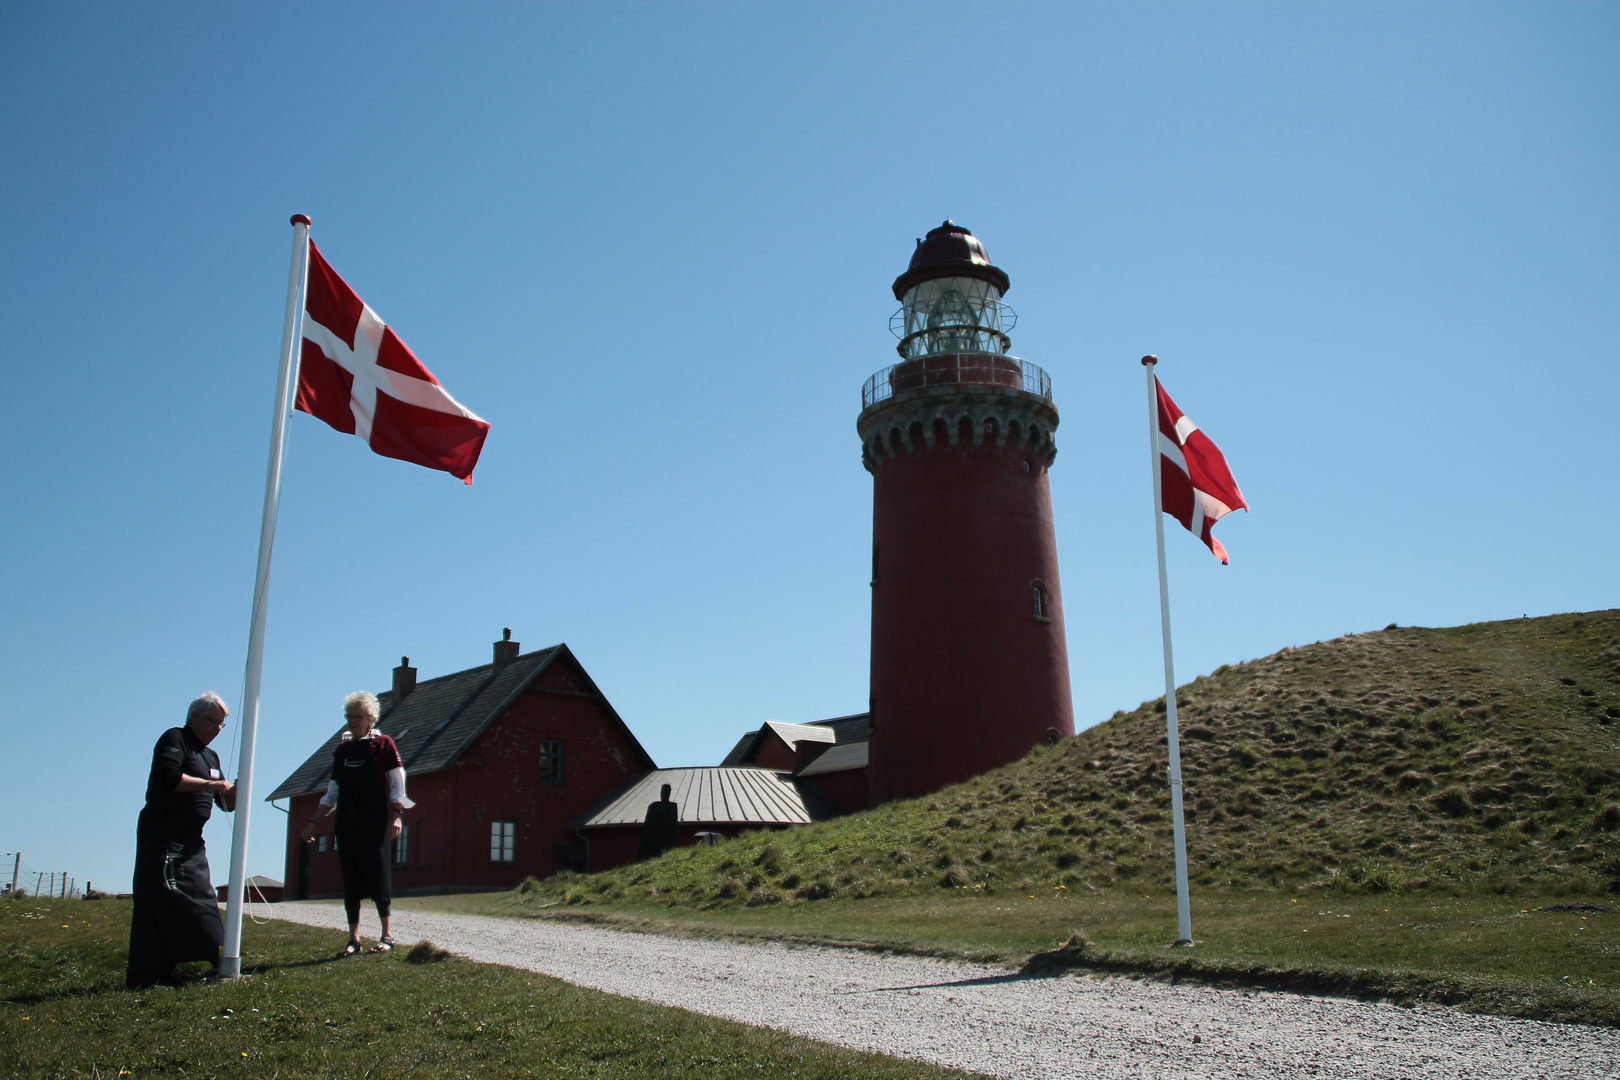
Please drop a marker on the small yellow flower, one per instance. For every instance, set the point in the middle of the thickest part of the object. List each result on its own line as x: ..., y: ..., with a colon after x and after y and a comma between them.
x: 244, y: 1053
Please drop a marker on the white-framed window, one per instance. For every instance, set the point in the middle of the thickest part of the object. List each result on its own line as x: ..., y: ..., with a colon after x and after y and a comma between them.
x: 320, y: 844
x: 402, y: 845
x: 503, y: 841
x: 551, y: 761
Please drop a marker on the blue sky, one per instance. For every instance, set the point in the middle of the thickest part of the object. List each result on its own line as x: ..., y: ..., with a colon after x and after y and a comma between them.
x: 1374, y: 246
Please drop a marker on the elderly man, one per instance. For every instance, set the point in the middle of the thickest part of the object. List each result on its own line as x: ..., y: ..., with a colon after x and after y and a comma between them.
x: 176, y: 917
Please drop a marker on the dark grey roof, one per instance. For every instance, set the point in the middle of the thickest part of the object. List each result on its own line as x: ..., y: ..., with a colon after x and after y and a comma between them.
x: 442, y: 717
x: 712, y: 795
x: 737, y: 752
x: 839, y: 758
x: 856, y: 727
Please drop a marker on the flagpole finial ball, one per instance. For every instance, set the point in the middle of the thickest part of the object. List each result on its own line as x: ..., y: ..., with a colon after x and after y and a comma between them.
x: 299, y: 219
x: 1149, y: 360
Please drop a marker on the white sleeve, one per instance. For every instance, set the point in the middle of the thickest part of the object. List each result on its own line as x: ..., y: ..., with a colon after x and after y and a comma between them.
x: 330, y: 798
x: 396, y: 788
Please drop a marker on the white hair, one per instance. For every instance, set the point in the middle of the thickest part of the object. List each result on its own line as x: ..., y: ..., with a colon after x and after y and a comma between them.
x: 367, y: 702
x: 206, y: 702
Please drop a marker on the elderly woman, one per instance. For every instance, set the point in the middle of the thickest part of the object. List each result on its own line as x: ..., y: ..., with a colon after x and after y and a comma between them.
x: 367, y: 793
x: 176, y: 918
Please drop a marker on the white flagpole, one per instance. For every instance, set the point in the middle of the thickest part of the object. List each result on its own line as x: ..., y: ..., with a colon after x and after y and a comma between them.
x: 1183, y: 913
x: 230, y: 963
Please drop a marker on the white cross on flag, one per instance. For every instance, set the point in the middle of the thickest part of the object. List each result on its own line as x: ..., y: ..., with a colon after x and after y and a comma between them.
x: 1198, y: 488
x: 358, y: 376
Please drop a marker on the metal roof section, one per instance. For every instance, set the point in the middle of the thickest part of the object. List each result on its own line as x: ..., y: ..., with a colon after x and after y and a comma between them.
x: 793, y: 734
x: 856, y: 727
x: 838, y: 759
x: 712, y: 794
x: 441, y: 718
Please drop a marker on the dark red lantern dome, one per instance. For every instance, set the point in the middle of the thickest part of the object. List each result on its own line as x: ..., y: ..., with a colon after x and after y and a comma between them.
x: 949, y: 251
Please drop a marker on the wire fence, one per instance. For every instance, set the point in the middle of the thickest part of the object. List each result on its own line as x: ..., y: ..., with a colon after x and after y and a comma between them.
x: 21, y: 879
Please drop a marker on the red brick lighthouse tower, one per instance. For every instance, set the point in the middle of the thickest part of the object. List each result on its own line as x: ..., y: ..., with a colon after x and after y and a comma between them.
x: 970, y: 668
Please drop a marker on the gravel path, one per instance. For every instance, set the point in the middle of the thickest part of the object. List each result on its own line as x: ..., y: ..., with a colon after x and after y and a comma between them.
x: 988, y: 1020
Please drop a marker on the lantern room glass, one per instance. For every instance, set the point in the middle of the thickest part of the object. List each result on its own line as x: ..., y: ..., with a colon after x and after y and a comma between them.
x: 952, y: 315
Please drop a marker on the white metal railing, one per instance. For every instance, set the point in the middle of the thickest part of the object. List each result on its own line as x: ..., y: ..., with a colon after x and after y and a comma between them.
x: 959, y: 369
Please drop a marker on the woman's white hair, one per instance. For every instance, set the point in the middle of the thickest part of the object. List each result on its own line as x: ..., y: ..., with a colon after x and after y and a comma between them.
x: 366, y: 700
x: 207, y: 702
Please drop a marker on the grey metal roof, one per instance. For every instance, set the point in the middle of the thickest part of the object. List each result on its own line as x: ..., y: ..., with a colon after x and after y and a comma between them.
x: 440, y: 719
x: 838, y: 759
x: 712, y: 794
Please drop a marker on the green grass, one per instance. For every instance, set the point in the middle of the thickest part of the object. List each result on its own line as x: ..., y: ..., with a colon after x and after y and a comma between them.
x: 64, y: 1013
x: 1403, y: 767
x: 1481, y: 759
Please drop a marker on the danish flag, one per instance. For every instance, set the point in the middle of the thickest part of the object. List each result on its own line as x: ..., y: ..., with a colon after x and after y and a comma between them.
x: 358, y: 376
x: 1198, y: 488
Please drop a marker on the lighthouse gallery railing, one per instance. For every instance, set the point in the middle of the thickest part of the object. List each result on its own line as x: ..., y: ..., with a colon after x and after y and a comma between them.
x: 957, y: 369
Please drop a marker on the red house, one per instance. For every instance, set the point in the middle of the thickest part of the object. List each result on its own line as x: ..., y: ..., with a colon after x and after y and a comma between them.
x: 499, y: 758
x: 522, y: 767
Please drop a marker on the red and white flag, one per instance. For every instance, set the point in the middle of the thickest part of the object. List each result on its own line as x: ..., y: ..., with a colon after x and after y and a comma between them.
x: 1198, y: 489
x: 358, y: 376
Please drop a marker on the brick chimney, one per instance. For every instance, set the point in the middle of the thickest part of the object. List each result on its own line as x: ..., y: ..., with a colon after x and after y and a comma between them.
x: 505, y: 649
x: 404, y: 679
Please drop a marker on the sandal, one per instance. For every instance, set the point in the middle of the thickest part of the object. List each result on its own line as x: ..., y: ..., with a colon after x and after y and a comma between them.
x: 385, y: 945
x: 351, y: 949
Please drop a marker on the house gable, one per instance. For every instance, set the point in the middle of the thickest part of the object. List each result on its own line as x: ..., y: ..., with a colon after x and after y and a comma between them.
x: 441, y: 719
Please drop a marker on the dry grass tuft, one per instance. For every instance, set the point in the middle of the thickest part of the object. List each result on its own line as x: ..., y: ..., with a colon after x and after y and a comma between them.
x: 425, y: 952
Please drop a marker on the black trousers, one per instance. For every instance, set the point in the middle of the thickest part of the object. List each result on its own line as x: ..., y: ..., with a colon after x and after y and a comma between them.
x: 366, y: 868
x: 176, y: 917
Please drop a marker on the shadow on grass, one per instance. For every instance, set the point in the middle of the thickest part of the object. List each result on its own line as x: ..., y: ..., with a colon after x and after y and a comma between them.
x: 177, y: 982
x: 76, y: 993
x: 288, y: 965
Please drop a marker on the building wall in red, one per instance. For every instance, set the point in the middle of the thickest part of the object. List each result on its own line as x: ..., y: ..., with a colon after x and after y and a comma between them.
x: 496, y: 779
x: 775, y: 754
x: 616, y: 845
x: 965, y: 678
x: 848, y: 790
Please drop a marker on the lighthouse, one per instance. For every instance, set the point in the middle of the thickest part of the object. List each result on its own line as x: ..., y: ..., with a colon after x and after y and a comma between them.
x: 970, y: 667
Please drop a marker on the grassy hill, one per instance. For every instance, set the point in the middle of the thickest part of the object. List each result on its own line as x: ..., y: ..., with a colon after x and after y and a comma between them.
x: 1478, y: 759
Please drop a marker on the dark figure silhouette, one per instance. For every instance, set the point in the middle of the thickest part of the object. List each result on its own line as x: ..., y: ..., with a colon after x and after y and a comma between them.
x: 661, y: 830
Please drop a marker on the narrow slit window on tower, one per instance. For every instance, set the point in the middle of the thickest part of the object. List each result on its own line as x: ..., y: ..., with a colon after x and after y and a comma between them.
x: 551, y: 761
x: 1042, y: 609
